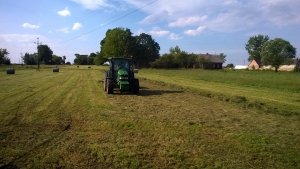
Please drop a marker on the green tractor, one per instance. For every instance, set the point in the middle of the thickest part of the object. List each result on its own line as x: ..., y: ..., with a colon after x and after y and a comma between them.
x: 121, y: 75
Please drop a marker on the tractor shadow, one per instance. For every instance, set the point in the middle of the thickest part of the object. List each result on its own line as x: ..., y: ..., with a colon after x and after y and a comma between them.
x: 152, y: 92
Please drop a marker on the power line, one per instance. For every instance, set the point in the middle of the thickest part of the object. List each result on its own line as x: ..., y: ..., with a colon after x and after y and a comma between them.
x: 112, y: 21
x: 38, y: 56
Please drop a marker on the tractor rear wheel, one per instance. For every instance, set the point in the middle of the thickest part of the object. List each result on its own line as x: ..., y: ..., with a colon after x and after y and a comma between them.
x: 135, y: 86
x: 110, y: 86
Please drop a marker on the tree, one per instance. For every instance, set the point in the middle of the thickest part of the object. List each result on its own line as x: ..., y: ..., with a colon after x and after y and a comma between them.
x: 57, y: 60
x: 29, y: 59
x: 182, y: 58
x: 176, y: 58
x: 223, y: 57
x: 254, y: 46
x: 91, y: 59
x: 45, y: 54
x: 165, y: 61
x: 64, y: 59
x: 81, y: 59
x: 146, y: 50
x: 230, y: 65
x: 118, y: 42
x: 277, y: 52
x: 99, y: 59
x: 3, y: 57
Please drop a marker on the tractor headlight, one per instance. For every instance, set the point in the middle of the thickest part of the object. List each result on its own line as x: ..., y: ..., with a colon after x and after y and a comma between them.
x: 123, y: 78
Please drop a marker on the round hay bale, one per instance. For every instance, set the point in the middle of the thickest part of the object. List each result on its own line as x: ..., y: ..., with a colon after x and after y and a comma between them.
x: 89, y: 67
x: 77, y: 66
x: 55, y: 69
x: 10, y: 71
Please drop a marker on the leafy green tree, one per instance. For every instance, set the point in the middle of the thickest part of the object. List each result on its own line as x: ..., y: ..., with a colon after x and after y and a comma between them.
x: 7, y: 61
x: 64, y: 59
x: 254, y: 46
x: 4, y: 57
x: 81, y: 59
x: 165, y: 61
x: 146, y: 50
x: 230, y: 65
x: 99, y: 59
x: 277, y: 52
x: 57, y: 60
x: 91, y: 59
x: 223, y: 57
x: 118, y: 42
x: 29, y: 59
x: 45, y: 54
x: 176, y: 58
x: 182, y: 58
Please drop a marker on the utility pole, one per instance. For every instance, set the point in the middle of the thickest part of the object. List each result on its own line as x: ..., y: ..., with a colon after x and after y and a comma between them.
x: 38, y: 56
x: 21, y: 58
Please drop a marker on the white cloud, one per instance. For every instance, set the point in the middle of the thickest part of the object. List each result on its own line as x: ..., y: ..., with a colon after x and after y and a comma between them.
x: 92, y: 4
x: 188, y: 21
x: 76, y: 26
x: 63, y: 30
x: 174, y: 36
x: 20, y: 38
x: 195, y: 32
x: 64, y: 12
x: 221, y: 15
x: 30, y: 26
x: 158, y: 32
x: 156, y: 17
x: 20, y: 43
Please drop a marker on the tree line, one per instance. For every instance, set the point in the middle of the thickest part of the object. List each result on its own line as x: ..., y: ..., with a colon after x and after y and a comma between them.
x: 177, y: 58
x: 144, y: 50
x: 44, y: 56
x: 85, y: 59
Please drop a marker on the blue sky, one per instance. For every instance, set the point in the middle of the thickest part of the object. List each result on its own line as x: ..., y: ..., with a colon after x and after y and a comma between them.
x: 198, y: 26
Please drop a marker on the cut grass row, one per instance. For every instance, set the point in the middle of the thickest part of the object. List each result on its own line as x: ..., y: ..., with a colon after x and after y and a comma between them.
x: 272, y: 92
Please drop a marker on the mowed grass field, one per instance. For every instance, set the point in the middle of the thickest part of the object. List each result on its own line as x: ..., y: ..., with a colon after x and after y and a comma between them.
x: 272, y: 92
x: 180, y: 119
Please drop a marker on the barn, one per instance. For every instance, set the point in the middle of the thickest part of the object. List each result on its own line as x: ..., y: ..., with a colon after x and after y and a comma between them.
x: 210, y: 61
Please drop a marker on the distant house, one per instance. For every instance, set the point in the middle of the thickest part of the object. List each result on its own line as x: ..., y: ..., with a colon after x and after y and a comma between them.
x: 254, y: 65
x: 210, y: 61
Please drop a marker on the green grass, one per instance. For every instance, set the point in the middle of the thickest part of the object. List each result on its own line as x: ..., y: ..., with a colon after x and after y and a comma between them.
x: 274, y: 92
x: 65, y: 120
